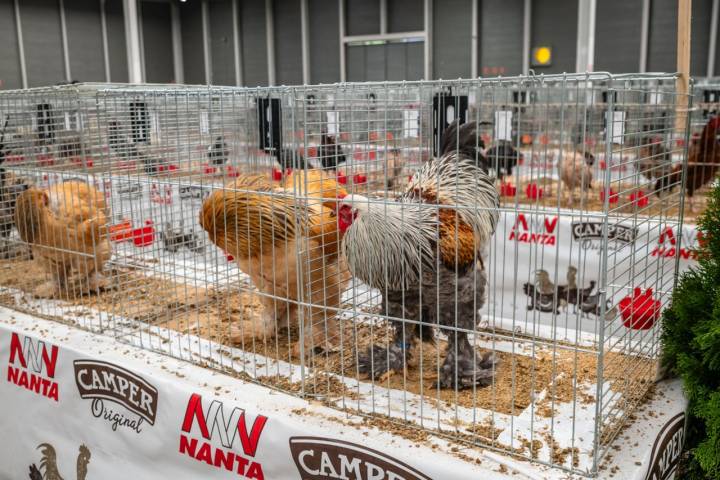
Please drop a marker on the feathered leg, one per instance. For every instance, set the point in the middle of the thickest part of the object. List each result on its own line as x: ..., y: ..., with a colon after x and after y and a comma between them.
x: 378, y: 360
x: 58, y: 272
x: 463, y: 366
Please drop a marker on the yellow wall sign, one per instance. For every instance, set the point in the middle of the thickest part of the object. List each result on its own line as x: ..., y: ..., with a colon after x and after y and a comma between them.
x: 541, y: 56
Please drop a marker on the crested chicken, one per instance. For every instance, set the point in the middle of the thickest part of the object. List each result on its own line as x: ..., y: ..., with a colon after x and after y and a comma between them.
x: 425, y: 253
x: 66, y: 228
x: 703, y: 164
x: 576, y: 172
x: 277, y: 234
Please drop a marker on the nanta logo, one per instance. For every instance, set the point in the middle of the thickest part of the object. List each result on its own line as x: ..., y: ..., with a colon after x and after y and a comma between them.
x: 668, y: 243
x: 214, y: 424
x: 538, y: 230
x: 32, y: 365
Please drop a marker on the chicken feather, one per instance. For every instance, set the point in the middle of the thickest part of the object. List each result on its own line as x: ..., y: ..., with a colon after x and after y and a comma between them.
x: 66, y: 226
x: 276, y: 233
x: 424, y: 252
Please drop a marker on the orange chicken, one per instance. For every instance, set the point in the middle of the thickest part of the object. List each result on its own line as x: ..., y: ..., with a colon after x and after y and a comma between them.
x: 66, y: 227
x: 279, y: 235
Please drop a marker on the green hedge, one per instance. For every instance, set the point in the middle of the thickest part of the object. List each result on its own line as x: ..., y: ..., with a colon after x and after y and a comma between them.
x: 691, y: 341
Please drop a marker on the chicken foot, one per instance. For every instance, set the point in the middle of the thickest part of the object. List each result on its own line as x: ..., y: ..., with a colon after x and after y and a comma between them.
x: 379, y: 360
x: 463, y: 366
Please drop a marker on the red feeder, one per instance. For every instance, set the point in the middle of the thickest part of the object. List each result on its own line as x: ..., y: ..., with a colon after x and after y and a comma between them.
x: 312, y: 152
x: 533, y: 192
x: 45, y: 160
x: 121, y: 232
x: 372, y: 155
x: 210, y: 170
x: 639, y: 198
x: 277, y: 175
x: 614, y: 196
x: 144, y: 236
x: 507, y: 189
x: 342, y: 178
x: 172, y: 167
x: 640, y: 310
x: 603, y: 165
x: 359, y: 178
x: 14, y: 158
x: 232, y: 172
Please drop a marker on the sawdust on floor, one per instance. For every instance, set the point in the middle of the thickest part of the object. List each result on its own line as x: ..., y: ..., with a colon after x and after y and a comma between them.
x: 209, y: 314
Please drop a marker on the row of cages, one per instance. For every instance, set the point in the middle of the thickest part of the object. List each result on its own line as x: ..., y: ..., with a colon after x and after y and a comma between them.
x: 476, y: 258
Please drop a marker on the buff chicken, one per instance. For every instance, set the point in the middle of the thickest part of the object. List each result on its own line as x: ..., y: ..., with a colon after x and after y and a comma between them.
x: 576, y: 172
x: 277, y: 234
x: 66, y: 228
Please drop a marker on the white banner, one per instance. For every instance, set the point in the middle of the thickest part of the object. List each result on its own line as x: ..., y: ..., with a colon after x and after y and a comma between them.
x: 81, y: 406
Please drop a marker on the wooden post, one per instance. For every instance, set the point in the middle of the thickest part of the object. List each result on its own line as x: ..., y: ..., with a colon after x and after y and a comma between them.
x: 683, y: 63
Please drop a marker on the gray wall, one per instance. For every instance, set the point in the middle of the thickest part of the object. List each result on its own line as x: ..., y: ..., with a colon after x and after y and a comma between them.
x: 362, y: 17
x: 452, y: 34
x: 288, y: 42
x: 554, y: 24
x: 157, y: 42
x: 10, y: 76
x: 117, y: 51
x: 500, y: 29
x: 391, y: 61
x: 701, y: 13
x: 662, y: 47
x: 499, y: 41
x: 192, y: 42
x: 618, y: 24
x: 221, y: 43
x: 405, y: 15
x: 324, y: 26
x: 43, y: 42
x: 254, y: 42
x: 84, y: 34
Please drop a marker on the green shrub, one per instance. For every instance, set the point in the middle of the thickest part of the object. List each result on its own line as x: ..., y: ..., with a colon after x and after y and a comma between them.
x: 691, y: 342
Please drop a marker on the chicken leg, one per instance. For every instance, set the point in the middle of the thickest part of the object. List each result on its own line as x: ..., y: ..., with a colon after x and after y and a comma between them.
x: 463, y: 366
x: 378, y: 360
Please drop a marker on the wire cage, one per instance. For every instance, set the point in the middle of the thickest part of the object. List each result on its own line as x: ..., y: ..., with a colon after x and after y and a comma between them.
x: 703, y: 154
x: 496, y: 282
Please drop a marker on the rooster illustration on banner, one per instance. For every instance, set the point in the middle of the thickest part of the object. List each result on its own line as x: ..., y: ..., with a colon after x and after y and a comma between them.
x: 48, y: 464
x: 547, y: 297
